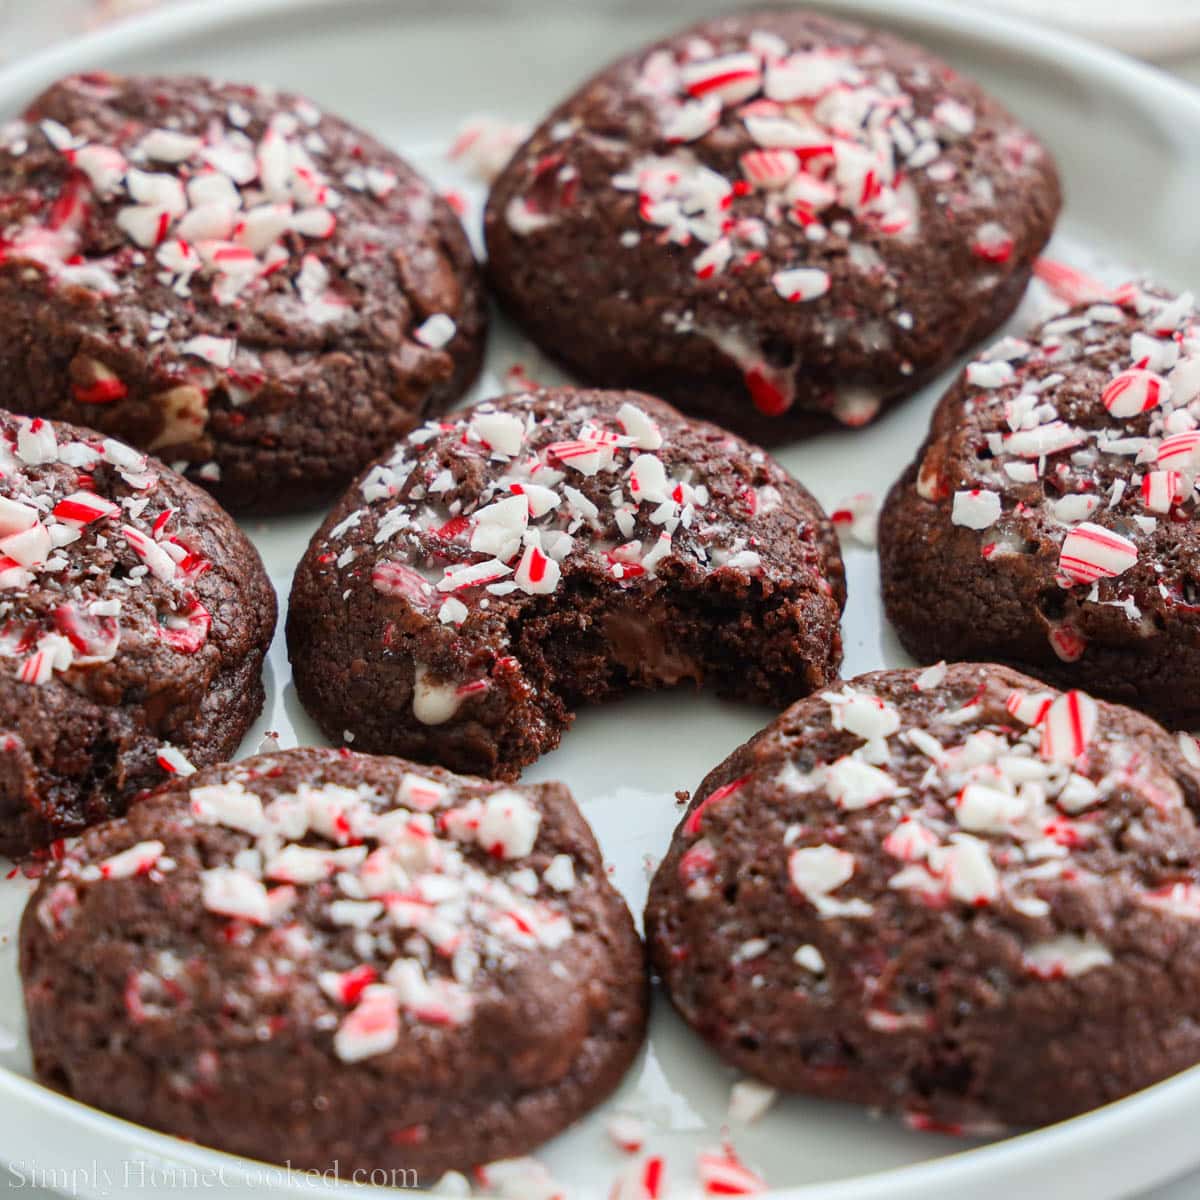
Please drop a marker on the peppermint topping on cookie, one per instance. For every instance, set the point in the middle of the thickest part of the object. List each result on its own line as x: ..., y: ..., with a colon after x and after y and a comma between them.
x: 218, y: 210
x: 1090, y: 443
x: 225, y: 215
x: 436, y: 880
x: 92, y: 559
x: 742, y: 149
x: 501, y: 503
x: 936, y: 796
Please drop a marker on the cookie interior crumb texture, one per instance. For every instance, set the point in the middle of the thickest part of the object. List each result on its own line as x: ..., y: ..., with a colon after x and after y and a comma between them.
x: 548, y: 549
x: 776, y: 220
x: 227, y: 276
x: 317, y: 957
x: 953, y: 894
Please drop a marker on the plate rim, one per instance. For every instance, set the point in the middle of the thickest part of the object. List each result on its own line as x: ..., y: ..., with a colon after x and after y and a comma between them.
x: 1011, y: 1160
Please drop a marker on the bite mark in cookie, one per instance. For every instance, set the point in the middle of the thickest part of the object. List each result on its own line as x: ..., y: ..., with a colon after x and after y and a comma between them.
x: 553, y: 548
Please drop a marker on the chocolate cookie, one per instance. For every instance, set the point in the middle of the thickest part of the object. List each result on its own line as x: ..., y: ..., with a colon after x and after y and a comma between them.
x: 224, y: 275
x: 134, y: 619
x: 952, y: 894
x: 1049, y: 519
x: 774, y: 219
x: 324, y: 958
x: 550, y: 549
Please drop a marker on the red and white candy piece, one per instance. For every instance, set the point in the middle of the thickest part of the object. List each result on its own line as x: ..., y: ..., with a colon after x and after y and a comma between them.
x: 990, y: 374
x: 641, y: 428
x: 644, y: 1180
x: 436, y: 331
x: 993, y: 243
x: 1180, y: 451
x: 1161, y: 490
x: 1068, y: 726
x: 537, y: 573
x: 1030, y: 708
x: 161, y: 564
x: 509, y: 825
x: 420, y: 793
x: 692, y: 119
x: 82, y: 508
x: 729, y: 77
x: 519, y: 1179
x: 347, y: 987
x: 816, y: 871
x: 769, y: 169
x: 976, y: 508
x: 1066, y: 956
x: 1134, y: 392
x: 372, y: 1028
x: 966, y: 869
x: 229, y: 805
x: 174, y: 761
x: 627, y: 1132
x: 1091, y: 552
x: 1067, y: 642
x: 716, y: 797
x: 1179, y: 899
x: 910, y: 841
x: 16, y: 516
x: 800, y: 284
x: 30, y: 548
x: 94, y: 638
x: 1068, y: 283
x: 713, y: 259
x: 53, y: 653
x: 725, y: 1174
x: 750, y: 1100
x: 932, y: 678
x: 855, y: 785
x: 233, y: 892
x: 402, y: 581
x: 137, y: 860
x: 186, y: 630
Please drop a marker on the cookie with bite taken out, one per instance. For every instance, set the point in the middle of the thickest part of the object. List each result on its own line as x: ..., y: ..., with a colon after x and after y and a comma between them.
x: 548, y: 549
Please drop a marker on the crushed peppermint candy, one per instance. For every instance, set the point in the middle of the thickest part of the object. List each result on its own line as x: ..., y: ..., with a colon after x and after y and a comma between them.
x: 953, y: 787
x: 788, y: 159
x: 435, y: 878
x: 500, y: 505
x: 218, y: 207
x: 1091, y: 427
x: 856, y: 519
x: 92, y: 557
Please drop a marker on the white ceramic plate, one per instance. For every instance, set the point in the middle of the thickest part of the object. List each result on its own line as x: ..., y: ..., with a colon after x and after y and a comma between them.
x: 1128, y: 142
x: 1153, y: 28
